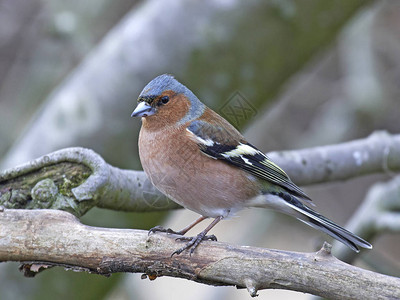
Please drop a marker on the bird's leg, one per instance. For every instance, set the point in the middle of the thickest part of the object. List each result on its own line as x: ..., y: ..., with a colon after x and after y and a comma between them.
x: 196, y: 240
x: 180, y: 232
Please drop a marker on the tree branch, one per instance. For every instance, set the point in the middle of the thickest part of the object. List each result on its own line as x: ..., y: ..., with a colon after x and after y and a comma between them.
x: 379, y: 212
x: 76, y: 179
x: 380, y: 152
x: 43, y: 238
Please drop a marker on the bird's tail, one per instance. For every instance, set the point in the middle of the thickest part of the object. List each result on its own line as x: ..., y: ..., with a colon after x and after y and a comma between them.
x: 317, y: 221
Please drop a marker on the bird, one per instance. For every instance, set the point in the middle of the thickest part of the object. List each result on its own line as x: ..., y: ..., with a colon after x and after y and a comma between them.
x: 199, y: 160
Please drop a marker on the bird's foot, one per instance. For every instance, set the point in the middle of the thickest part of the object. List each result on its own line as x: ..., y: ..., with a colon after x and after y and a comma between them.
x: 193, y: 242
x: 162, y: 229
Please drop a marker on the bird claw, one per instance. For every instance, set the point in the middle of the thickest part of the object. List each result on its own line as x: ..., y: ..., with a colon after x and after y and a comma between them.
x: 193, y: 242
x: 189, y: 238
x: 162, y: 229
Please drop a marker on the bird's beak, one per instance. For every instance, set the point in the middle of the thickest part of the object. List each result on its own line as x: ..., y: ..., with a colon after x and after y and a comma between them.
x: 143, y: 109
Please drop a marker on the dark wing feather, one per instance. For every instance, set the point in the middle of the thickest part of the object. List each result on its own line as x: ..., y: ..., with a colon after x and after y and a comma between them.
x: 218, y: 143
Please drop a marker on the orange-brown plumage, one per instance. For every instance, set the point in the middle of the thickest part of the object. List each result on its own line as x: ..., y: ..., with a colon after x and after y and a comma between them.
x: 176, y: 166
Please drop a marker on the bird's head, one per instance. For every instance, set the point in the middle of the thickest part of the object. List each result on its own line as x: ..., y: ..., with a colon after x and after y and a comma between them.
x: 166, y: 101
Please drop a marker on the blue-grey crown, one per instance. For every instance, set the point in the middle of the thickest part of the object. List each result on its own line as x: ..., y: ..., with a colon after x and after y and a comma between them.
x: 167, y: 82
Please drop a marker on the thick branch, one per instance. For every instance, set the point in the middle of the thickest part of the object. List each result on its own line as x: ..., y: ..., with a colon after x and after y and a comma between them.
x: 68, y: 189
x: 49, y: 237
x: 380, y: 152
x: 75, y: 180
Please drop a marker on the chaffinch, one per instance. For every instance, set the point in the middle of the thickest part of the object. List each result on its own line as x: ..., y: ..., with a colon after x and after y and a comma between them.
x: 199, y: 160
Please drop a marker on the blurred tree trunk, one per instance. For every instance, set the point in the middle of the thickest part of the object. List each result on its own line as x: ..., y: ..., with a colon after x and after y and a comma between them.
x: 248, y: 46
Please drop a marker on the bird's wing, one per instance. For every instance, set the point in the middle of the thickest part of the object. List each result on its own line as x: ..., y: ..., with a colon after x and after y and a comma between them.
x: 219, y: 143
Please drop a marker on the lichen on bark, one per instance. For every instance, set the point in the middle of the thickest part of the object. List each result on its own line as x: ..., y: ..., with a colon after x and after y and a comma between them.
x: 47, y: 187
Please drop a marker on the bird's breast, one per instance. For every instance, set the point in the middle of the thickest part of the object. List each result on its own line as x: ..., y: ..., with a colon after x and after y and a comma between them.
x: 177, y: 167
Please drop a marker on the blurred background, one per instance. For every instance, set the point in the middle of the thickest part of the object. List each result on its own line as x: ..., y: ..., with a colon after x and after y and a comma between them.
x: 307, y: 72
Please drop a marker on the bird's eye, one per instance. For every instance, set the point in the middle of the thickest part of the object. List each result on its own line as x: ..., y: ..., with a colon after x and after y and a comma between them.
x: 164, y: 100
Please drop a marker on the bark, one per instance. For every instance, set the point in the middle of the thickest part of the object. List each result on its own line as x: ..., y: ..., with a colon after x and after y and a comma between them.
x: 46, y: 238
